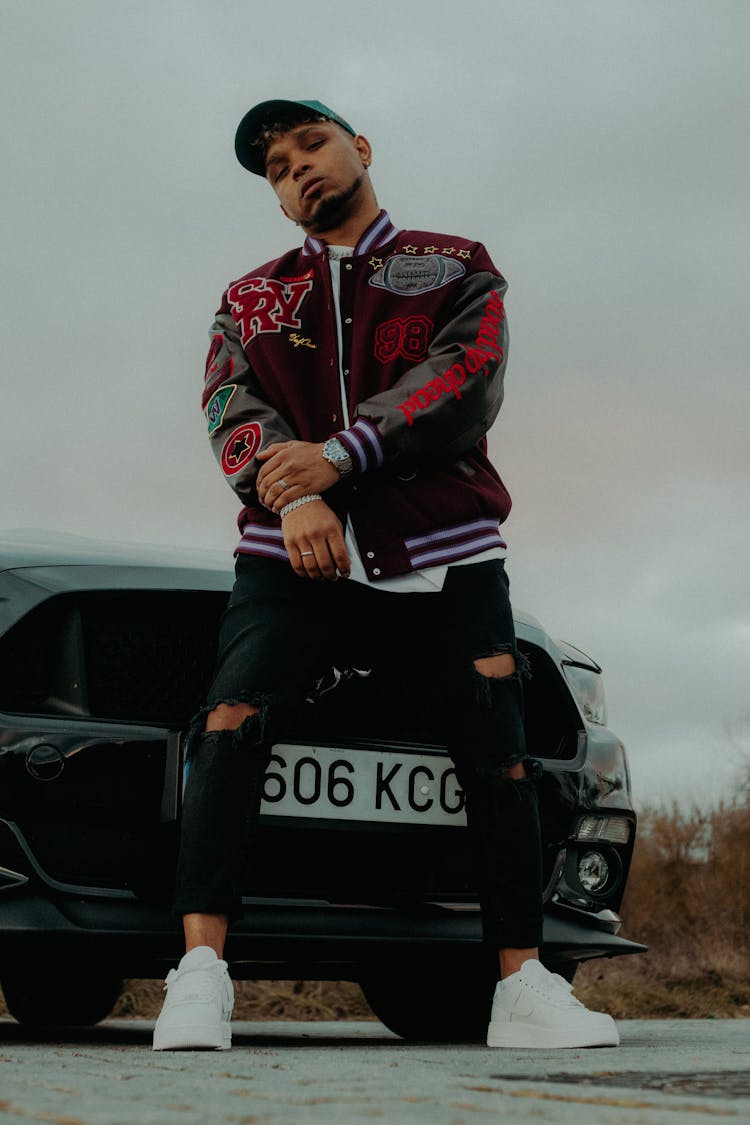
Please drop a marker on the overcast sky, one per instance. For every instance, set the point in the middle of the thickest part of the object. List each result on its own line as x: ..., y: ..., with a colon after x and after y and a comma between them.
x: 599, y: 149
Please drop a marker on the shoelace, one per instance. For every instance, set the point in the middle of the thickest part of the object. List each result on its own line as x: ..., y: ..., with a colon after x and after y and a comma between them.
x: 565, y: 985
x: 562, y: 992
x: 201, y: 983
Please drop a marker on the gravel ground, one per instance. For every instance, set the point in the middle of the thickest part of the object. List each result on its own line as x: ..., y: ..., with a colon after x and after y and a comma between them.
x: 289, y: 1073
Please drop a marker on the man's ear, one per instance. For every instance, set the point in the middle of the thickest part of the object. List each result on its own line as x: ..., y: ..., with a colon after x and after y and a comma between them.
x: 364, y: 149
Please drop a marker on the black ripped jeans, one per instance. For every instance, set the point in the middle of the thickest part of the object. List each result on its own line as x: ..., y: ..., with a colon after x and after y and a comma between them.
x: 279, y: 634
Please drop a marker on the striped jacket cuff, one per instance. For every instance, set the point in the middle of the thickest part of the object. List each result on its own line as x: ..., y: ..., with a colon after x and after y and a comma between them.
x: 364, y: 445
x: 259, y: 540
x: 450, y: 544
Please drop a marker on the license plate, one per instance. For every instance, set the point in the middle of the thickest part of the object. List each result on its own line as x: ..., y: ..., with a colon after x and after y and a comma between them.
x: 329, y: 783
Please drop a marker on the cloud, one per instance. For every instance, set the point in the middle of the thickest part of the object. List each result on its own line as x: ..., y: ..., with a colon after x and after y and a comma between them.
x: 593, y: 148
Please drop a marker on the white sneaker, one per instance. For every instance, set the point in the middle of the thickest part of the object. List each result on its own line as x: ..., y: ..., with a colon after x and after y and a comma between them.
x: 536, y: 1008
x: 198, y: 1006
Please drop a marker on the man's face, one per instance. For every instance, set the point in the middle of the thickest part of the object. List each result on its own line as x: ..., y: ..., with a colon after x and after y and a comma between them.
x: 317, y: 170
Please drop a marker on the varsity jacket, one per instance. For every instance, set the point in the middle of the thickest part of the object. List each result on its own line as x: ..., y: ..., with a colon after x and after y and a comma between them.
x: 413, y: 390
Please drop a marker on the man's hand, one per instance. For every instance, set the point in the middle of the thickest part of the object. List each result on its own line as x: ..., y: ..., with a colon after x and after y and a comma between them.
x: 314, y: 538
x: 302, y: 468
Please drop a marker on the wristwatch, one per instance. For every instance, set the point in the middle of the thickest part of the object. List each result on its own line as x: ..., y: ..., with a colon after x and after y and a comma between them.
x: 336, y: 453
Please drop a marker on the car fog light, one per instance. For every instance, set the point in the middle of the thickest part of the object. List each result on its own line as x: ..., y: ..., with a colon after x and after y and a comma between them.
x: 614, y: 829
x: 593, y: 871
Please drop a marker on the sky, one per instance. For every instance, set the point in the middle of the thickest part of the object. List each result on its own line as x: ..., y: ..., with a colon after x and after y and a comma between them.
x: 598, y: 149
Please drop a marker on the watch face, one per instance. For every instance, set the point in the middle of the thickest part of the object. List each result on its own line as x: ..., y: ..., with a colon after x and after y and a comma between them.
x: 335, y: 451
x: 336, y: 454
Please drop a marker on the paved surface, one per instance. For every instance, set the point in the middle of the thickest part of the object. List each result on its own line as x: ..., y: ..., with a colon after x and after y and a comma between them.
x: 287, y: 1073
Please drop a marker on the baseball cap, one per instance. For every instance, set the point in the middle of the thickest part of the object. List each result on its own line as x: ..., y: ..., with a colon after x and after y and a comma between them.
x: 251, y: 125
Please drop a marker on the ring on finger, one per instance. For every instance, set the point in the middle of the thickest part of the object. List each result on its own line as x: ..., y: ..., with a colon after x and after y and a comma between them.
x: 283, y: 484
x: 303, y: 553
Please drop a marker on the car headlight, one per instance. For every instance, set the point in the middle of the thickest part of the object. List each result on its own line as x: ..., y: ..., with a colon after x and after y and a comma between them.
x: 588, y: 688
x: 613, y: 829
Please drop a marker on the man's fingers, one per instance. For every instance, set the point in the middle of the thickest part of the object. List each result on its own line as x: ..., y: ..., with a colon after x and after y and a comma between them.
x: 318, y: 561
x: 303, y: 561
x: 273, y: 488
x: 339, y: 554
x: 271, y: 450
x: 279, y: 492
x: 315, y: 543
x: 332, y: 556
x: 286, y: 497
x: 271, y: 457
x: 326, y: 561
x: 310, y: 562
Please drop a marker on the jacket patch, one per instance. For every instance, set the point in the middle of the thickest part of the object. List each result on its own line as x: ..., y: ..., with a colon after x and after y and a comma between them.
x: 405, y: 275
x: 406, y: 336
x: 216, y: 371
x: 217, y: 405
x: 240, y: 447
x: 448, y: 250
x: 302, y: 341
x: 262, y: 304
x: 485, y: 348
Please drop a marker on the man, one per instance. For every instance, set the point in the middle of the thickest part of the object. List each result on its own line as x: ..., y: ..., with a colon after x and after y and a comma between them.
x: 349, y: 388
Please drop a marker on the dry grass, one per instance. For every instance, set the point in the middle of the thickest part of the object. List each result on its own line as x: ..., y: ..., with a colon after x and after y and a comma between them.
x: 688, y: 899
x: 261, y: 1000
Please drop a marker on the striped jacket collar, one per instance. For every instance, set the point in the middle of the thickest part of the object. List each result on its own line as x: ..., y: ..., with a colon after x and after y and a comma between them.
x: 377, y: 234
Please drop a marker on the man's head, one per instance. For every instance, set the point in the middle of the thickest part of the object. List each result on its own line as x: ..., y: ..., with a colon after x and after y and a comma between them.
x: 312, y: 158
x: 269, y: 120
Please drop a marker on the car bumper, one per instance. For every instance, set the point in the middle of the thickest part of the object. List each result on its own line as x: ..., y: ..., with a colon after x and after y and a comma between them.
x: 275, y: 939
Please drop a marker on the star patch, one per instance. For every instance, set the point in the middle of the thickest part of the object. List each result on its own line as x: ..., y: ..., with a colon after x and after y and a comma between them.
x: 376, y: 263
x: 463, y: 254
x: 409, y: 250
x: 240, y: 447
x: 448, y: 250
x: 430, y: 249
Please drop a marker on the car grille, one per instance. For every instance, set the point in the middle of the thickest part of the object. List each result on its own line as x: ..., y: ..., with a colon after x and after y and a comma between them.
x: 148, y: 656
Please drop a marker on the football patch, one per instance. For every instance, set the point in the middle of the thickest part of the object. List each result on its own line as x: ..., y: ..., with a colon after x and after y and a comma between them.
x: 240, y: 447
x: 406, y: 275
x: 217, y: 406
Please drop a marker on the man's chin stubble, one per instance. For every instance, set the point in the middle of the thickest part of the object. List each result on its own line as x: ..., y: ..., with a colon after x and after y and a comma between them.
x: 333, y: 209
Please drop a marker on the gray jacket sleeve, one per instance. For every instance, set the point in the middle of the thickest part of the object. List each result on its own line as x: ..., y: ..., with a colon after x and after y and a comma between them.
x: 240, y: 420
x: 441, y: 407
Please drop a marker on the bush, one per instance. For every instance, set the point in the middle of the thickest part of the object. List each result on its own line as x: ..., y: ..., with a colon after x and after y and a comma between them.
x: 688, y: 899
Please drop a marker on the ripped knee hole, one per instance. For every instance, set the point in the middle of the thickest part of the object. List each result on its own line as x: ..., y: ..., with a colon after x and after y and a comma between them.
x: 230, y: 716
x: 498, y: 667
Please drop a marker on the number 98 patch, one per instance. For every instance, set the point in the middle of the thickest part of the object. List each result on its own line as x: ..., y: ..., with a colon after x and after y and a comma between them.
x: 407, y: 336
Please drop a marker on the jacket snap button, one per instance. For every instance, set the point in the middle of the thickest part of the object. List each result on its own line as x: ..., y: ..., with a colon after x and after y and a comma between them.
x: 348, y: 320
x: 371, y: 554
x: 375, y: 570
x: 348, y: 266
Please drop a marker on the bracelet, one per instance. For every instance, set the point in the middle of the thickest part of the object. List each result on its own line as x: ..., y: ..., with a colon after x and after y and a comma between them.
x: 298, y: 503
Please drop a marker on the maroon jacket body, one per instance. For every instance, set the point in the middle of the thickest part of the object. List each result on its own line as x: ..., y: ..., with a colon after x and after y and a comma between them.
x: 418, y: 383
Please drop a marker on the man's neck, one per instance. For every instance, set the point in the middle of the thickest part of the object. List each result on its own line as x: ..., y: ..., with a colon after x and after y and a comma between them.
x: 349, y: 231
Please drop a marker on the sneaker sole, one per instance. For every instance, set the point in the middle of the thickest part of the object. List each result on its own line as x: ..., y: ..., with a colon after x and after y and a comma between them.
x: 187, y: 1038
x: 506, y: 1035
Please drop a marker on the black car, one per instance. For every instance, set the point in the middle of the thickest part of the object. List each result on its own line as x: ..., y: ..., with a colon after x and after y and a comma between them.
x: 105, y: 654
